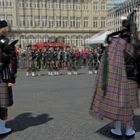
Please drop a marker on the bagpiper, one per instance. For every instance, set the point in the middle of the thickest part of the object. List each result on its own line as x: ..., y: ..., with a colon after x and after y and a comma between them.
x: 116, y: 91
x: 8, y: 70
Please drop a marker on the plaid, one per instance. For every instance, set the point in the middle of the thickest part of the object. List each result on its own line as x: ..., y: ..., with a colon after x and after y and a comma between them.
x: 121, y: 97
x: 6, y: 98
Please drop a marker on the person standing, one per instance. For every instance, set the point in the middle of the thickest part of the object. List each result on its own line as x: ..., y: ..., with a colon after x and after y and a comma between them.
x: 116, y: 95
x: 8, y: 70
x: 69, y: 61
x: 90, y: 58
x: 50, y: 61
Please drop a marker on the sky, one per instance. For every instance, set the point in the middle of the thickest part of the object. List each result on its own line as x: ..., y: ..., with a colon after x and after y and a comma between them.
x: 111, y: 3
x: 115, y: 1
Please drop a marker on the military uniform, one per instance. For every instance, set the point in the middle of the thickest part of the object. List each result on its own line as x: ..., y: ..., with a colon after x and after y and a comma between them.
x: 69, y: 62
x: 31, y: 63
x: 50, y: 62
x: 56, y: 63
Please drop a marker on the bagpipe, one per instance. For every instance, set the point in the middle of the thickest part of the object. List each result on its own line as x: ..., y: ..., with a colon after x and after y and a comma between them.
x: 132, y: 62
x: 130, y: 34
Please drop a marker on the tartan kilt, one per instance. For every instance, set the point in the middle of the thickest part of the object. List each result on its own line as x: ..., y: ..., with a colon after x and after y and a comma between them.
x: 121, y: 96
x: 31, y: 65
x: 6, y: 95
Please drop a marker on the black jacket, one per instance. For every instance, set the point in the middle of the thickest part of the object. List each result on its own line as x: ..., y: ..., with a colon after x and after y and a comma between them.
x: 8, y: 60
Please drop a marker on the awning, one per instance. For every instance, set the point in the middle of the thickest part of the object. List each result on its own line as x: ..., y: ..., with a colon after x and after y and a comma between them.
x: 98, y: 38
x: 87, y: 41
x: 48, y: 44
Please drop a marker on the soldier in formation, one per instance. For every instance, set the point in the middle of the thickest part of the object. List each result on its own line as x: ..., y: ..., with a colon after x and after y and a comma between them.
x: 56, y: 59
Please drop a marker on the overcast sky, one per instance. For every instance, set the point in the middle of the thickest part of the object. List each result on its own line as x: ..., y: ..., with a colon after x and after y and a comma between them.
x: 115, y: 1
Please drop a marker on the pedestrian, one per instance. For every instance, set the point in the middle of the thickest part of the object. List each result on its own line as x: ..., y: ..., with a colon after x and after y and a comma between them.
x: 115, y: 95
x: 96, y: 60
x: 8, y: 69
x: 90, y: 58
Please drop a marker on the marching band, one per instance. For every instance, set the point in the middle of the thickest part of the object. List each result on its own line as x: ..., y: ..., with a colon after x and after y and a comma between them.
x: 56, y: 59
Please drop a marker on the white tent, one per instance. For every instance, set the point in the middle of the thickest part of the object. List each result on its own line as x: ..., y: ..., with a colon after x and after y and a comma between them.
x: 87, y: 41
x: 99, y: 39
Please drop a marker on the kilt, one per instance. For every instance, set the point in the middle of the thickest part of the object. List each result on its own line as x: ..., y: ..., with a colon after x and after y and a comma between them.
x: 121, y: 96
x: 31, y: 65
x: 6, y: 96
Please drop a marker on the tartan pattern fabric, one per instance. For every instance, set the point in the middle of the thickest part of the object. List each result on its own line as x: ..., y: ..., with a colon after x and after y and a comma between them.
x: 121, y: 97
x: 6, y: 98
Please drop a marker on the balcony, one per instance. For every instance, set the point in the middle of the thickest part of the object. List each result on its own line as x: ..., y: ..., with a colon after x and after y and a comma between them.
x: 55, y: 30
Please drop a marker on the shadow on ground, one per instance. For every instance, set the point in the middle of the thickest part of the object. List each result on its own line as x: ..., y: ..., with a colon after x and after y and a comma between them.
x: 106, y: 129
x: 25, y: 121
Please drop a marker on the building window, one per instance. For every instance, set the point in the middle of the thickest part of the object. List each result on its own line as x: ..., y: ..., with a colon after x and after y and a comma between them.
x: 85, y: 22
x: 42, y: 4
x: 95, y: 22
x: 77, y: 6
x: 72, y: 22
x: 78, y: 23
x: 28, y: 21
x: 71, y: 5
x: 103, y: 6
x: 67, y: 40
x: 51, y: 21
x: 9, y: 20
x: 56, y: 4
x: 3, y: 4
x: 10, y: 3
x: 21, y: 21
x: 65, y: 22
x: 75, y: 22
x: 44, y: 21
x: 27, y: 4
x: 58, y: 21
x: 103, y: 22
x: 95, y: 6
x: 19, y: 5
x: 7, y: 3
x: 49, y: 4
x: 62, y: 4
x: 37, y: 21
x: 85, y: 6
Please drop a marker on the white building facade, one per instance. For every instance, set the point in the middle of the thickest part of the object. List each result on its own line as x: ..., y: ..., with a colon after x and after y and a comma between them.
x: 38, y: 20
x: 115, y: 14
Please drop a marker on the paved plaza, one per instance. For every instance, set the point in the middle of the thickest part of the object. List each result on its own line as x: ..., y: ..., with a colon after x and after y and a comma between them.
x: 54, y: 108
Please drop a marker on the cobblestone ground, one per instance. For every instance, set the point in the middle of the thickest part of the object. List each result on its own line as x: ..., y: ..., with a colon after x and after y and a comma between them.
x: 54, y: 108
